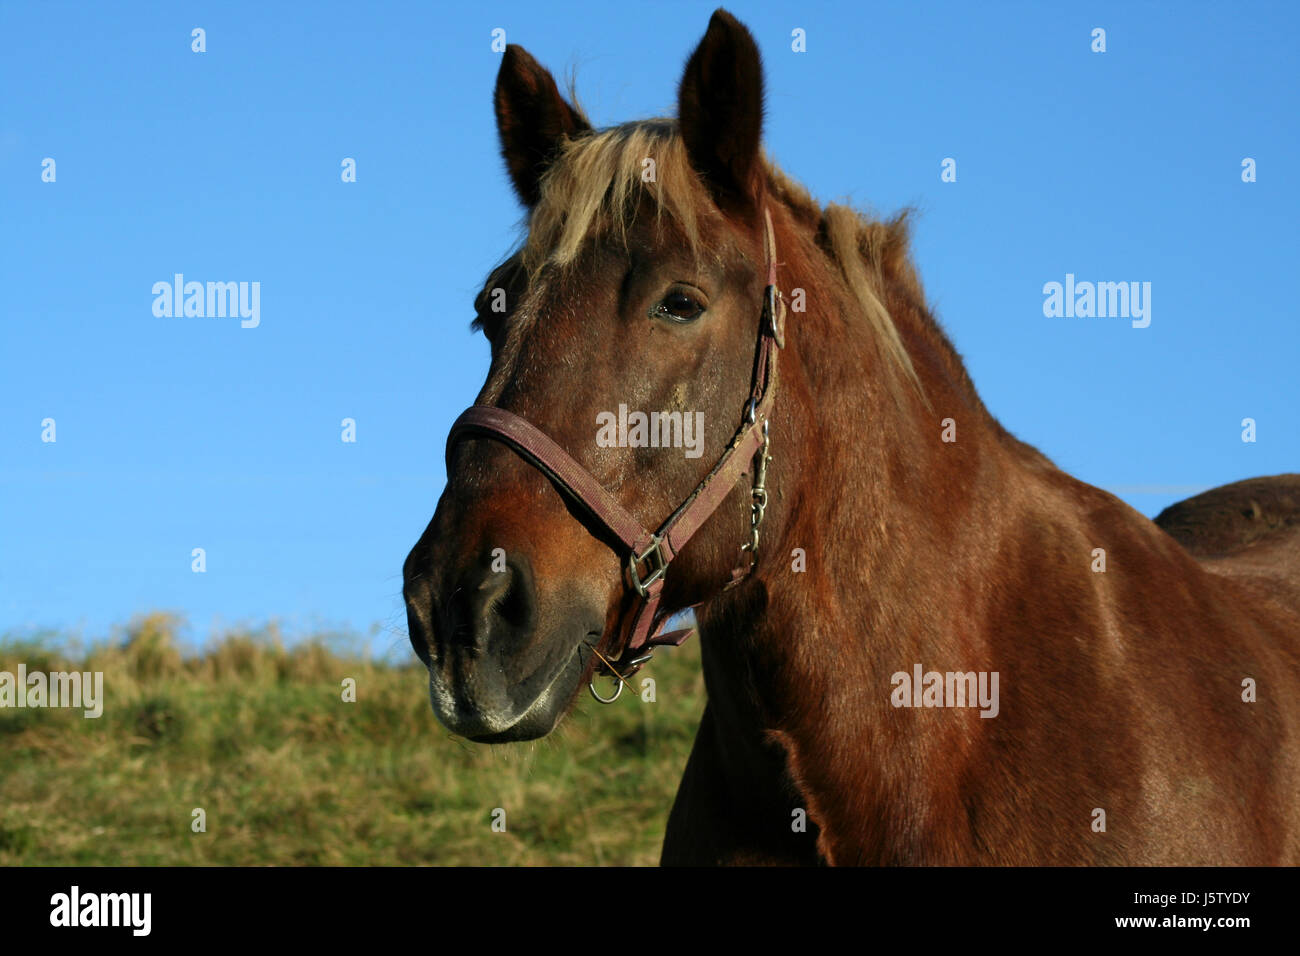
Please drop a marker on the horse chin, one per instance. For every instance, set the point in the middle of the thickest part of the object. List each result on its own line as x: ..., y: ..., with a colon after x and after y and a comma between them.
x: 514, y: 713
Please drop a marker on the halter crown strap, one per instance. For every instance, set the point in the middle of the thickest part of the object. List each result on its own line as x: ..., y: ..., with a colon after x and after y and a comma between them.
x: 649, y: 554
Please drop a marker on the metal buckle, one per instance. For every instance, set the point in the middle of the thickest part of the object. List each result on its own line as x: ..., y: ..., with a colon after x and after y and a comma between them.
x: 636, y: 662
x: 659, y: 565
x: 774, y: 306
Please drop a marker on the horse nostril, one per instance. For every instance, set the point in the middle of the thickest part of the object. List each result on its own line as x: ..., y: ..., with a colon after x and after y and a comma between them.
x: 499, y: 602
x: 513, y: 603
x: 460, y: 618
x: 419, y: 617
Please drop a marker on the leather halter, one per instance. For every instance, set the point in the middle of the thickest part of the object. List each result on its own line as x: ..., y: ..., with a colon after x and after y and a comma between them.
x: 648, y: 554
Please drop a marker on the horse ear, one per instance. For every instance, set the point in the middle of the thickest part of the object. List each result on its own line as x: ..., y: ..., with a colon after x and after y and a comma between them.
x: 533, y: 119
x: 720, y: 111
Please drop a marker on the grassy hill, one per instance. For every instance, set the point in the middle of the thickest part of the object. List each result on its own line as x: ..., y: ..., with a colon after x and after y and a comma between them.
x: 259, y: 737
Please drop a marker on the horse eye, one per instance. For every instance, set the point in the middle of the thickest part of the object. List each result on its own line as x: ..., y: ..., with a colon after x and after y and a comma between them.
x: 680, y: 306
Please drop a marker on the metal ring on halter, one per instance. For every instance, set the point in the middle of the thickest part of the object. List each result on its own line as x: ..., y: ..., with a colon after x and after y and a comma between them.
x: 591, y: 686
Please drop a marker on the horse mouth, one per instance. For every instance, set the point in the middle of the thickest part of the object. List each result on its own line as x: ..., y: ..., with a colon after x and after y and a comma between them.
x: 510, y: 720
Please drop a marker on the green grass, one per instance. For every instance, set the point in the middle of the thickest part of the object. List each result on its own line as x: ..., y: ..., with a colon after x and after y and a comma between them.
x: 258, y: 736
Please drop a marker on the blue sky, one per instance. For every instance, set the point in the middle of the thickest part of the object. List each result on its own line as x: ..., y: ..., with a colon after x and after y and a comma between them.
x: 176, y: 433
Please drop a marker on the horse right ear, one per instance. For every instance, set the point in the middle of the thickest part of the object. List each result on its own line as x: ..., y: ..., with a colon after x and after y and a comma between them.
x: 720, y: 111
x: 533, y: 120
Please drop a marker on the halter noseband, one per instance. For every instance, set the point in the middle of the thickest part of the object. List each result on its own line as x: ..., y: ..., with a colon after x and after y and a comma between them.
x: 648, y: 554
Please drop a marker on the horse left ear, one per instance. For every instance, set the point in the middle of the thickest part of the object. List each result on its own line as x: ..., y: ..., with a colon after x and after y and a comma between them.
x: 720, y: 112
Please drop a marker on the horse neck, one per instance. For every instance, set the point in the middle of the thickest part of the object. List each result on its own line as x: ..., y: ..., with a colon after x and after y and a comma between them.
x: 892, y: 519
x: 896, y: 529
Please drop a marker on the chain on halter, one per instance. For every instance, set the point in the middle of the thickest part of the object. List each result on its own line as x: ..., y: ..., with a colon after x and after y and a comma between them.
x: 758, y: 507
x: 648, y: 555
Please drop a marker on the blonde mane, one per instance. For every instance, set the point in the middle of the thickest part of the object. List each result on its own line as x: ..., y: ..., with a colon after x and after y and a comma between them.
x: 597, y: 182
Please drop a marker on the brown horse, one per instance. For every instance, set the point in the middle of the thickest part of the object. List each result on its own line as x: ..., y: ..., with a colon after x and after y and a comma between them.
x: 946, y: 650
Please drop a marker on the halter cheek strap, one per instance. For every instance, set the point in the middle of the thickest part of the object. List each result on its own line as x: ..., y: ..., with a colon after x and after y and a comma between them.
x: 647, y: 555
